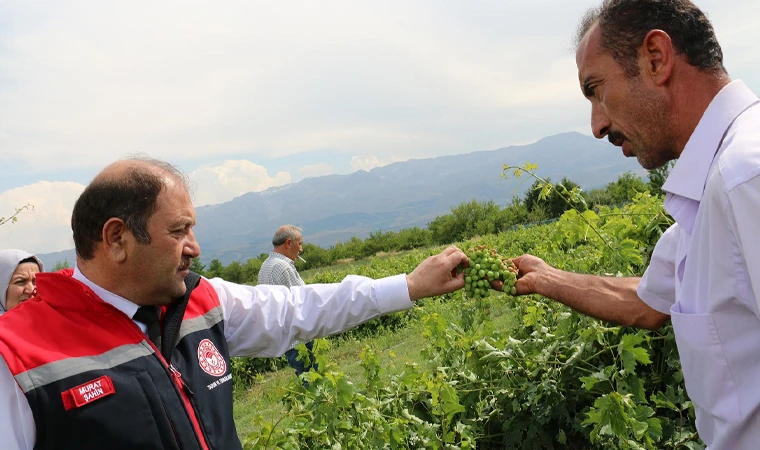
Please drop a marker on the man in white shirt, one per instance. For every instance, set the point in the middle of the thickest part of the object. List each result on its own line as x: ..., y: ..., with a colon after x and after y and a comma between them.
x: 653, y: 72
x: 125, y: 352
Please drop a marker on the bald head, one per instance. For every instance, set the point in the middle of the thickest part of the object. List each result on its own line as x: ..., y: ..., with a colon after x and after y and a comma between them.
x: 287, y: 241
x: 137, y: 165
x: 284, y: 233
x: 128, y: 190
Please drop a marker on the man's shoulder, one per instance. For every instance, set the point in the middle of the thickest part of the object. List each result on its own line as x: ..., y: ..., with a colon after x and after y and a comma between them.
x: 272, y: 270
x: 740, y: 159
x: 274, y: 262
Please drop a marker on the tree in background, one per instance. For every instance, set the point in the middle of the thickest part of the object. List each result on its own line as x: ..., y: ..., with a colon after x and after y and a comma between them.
x: 60, y: 265
x: 410, y: 238
x: 657, y: 178
x: 315, y: 256
x: 215, y: 269
x: 465, y: 221
x: 233, y: 273
x: 251, y: 270
x: 625, y: 188
x: 197, y: 267
x: 550, y: 200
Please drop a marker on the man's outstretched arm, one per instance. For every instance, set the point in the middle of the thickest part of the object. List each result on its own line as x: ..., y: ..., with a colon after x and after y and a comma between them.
x: 613, y: 299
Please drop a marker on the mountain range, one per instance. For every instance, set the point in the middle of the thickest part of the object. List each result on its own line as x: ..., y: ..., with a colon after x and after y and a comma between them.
x: 405, y: 194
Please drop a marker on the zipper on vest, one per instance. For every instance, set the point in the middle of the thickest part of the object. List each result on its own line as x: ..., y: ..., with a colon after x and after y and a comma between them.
x: 178, y: 377
x: 171, y: 424
x: 183, y: 390
x: 185, y: 395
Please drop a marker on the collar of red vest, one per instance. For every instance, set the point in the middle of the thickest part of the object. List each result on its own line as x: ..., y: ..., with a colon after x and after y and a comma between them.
x: 62, y: 291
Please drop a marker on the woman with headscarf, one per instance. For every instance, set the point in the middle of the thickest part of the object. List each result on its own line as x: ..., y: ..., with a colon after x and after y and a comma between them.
x: 18, y: 270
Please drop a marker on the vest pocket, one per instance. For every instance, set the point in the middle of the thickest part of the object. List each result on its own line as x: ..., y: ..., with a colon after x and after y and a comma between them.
x: 709, y: 382
x: 158, y: 410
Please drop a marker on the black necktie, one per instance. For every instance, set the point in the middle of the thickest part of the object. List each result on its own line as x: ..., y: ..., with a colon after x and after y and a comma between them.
x: 148, y: 315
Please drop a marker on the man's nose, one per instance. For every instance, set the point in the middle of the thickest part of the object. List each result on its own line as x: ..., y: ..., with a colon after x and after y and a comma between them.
x: 192, y: 248
x: 600, y: 123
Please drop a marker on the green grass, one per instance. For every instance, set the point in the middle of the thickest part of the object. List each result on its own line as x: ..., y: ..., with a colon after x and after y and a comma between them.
x: 264, y: 397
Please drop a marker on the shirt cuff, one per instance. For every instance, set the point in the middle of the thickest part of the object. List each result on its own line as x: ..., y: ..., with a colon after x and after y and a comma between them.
x: 392, y: 294
x: 654, y: 301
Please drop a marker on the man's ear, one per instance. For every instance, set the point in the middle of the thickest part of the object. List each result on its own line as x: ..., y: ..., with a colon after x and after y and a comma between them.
x: 657, y: 56
x: 116, y: 239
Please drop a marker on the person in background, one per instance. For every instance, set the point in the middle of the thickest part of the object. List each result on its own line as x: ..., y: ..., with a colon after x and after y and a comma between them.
x: 653, y: 72
x: 18, y: 273
x: 280, y: 269
x: 135, y: 348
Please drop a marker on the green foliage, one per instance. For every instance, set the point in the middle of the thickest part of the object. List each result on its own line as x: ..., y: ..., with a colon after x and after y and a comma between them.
x: 233, y: 272
x: 60, y: 265
x: 197, y: 267
x: 624, y: 189
x: 246, y: 370
x: 554, y: 199
x: 559, y: 380
x: 251, y: 269
x: 14, y: 217
x: 544, y: 201
x: 657, y: 178
x: 475, y: 218
x: 315, y: 256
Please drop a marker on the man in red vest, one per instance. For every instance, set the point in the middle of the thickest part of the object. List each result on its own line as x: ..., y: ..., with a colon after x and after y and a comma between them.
x: 131, y: 350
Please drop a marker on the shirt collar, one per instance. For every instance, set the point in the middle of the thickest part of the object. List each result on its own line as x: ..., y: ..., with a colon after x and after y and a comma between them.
x: 282, y: 257
x: 118, y: 302
x: 689, y: 176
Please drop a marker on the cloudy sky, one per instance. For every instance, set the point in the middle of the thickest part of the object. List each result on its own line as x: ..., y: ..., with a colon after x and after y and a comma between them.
x: 246, y: 95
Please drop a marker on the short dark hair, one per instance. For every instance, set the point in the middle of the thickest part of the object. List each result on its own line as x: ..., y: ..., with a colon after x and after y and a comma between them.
x: 30, y: 259
x: 625, y: 23
x: 131, y: 197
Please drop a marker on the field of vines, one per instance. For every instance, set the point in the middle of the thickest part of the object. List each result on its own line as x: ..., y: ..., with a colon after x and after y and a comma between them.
x: 558, y: 380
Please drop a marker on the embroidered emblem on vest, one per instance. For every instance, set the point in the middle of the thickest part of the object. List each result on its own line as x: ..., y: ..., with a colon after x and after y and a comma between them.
x: 210, y: 359
x: 88, y: 392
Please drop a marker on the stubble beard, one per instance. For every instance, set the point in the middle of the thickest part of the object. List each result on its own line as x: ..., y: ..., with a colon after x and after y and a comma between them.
x: 654, y: 145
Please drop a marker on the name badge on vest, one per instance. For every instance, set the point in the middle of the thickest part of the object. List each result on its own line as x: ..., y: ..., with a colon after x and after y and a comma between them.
x: 87, y: 393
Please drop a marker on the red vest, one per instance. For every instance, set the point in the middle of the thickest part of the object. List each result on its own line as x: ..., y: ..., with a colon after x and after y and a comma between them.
x: 94, y: 381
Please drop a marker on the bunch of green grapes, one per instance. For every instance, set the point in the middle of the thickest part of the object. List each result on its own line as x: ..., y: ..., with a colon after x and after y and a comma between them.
x: 487, y: 265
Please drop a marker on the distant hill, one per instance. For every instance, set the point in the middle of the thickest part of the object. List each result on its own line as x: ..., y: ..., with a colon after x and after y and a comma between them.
x: 401, y: 195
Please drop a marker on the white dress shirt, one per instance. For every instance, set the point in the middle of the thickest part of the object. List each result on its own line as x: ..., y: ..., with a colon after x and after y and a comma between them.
x: 705, y: 270
x: 259, y: 321
x: 280, y: 270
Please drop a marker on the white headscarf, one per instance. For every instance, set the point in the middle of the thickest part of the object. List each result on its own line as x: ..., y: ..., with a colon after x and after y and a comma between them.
x: 9, y: 260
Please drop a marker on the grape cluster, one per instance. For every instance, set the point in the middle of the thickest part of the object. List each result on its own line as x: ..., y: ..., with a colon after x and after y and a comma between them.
x: 487, y: 265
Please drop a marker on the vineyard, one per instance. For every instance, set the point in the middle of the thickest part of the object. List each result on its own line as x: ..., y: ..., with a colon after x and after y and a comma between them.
x: 555, y: 379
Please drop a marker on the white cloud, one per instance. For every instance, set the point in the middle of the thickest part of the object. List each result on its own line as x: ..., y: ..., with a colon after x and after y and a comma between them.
x: 46, y: 227
x: 316, y: 170
x: 260, y: 78
x: 255, y: 77
x: 365, y: 163
x: 369, y: 162
x: 221, y: 183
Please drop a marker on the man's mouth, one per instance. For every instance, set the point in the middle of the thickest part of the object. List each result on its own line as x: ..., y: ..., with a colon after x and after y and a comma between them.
x: 626, y: 146
x: 185, y: 265
x: 619, y: 140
